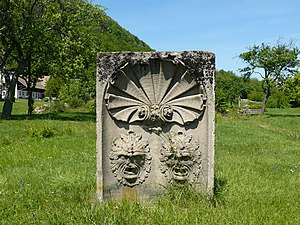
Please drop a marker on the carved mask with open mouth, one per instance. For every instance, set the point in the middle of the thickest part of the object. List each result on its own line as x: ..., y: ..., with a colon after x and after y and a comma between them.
x: 130, y: 159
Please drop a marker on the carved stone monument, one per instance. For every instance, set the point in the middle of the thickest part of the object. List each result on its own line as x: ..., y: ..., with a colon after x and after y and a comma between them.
x: 155, y: 122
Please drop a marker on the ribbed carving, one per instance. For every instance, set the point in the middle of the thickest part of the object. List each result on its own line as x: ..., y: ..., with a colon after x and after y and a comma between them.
x: 159, y: 90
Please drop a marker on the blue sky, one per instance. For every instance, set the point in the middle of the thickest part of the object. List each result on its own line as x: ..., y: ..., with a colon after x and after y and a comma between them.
x: 226, y: 28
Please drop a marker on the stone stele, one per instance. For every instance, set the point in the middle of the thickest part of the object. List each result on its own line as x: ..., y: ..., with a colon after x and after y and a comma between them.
x: 155, y: 122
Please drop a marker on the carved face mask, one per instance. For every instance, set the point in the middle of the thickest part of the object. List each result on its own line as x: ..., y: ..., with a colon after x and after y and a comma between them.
x: 180, y: 158
x: 130, y: 166
x: 180, y: 164
x: 130, y: 159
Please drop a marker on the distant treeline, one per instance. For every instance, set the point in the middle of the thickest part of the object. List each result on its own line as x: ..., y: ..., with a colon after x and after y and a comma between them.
x: 230, y: 87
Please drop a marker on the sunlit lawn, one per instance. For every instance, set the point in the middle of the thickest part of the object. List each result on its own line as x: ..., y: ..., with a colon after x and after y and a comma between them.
x: 48, y: 165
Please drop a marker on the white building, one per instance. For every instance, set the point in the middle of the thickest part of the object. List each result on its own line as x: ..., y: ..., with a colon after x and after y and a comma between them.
x: 21, y: 88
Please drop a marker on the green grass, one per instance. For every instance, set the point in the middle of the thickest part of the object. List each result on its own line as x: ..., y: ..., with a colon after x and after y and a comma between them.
x: 50, y: 179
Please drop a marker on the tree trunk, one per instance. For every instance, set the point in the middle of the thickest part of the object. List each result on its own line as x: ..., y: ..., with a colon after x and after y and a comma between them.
x: 264, y: 103
x: 30, y: 102
x: 267, y: 94
x: 11, y: 82
x: 1, y: 85
x: 10, y: 98
x: 31, y: 82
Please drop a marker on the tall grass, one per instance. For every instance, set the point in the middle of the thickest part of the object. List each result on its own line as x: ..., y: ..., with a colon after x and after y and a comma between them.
x: 48, y: 165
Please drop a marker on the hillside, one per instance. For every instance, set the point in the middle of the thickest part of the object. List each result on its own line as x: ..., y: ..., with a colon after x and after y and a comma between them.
x: 116, y: 38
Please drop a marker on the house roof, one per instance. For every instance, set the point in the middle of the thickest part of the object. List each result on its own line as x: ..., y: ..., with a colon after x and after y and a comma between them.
x: 41, y: 84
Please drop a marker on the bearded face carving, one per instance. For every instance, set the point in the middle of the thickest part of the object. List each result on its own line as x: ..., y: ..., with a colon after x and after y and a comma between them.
x: 130, y: 159
x: 180, y: 158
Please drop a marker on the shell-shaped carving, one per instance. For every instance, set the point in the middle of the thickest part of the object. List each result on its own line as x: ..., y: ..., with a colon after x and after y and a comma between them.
x: 159, y: 90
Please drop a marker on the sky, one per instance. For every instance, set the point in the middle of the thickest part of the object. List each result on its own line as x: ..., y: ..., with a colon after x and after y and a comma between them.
x: 224, y: 27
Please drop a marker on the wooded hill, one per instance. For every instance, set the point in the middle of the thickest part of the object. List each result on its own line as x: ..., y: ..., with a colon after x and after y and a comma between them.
x: 116, y: 38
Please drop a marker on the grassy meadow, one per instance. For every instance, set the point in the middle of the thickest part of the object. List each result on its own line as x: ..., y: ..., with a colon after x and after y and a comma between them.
x: 48, y: 166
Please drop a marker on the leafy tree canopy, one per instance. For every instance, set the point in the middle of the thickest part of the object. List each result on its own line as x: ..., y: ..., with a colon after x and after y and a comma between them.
x: 273, y: 63
x: 58, y: 38
x: 292, y: 89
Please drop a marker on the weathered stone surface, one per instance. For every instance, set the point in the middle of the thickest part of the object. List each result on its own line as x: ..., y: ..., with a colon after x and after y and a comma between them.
x: 155, y: 122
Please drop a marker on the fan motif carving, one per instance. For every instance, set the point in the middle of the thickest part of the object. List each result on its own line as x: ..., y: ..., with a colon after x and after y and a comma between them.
x: 159, y: 90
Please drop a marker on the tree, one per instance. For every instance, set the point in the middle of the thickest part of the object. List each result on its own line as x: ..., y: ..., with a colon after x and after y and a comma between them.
x: 53, y: 87
x: 58, y: 38
x: 24, y: 39
x: 39, y: 37
x: 231, y: 86
x: 273, y: 63
x: 37, y: 43
x: 292, y: 89
x: 80, y: 40
x: 12, y: 59
x: 1, y: 86
x: 69, y: 30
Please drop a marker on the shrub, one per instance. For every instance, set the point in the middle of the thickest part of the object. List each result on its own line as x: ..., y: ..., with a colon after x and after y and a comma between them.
x: 278, y: 100
x: 44, y: 132
x: 57, y: 106
x: 75, y: 102
x: 221, y: 101
x: 256, y: 96
x: 74, y: 93
x: 91, y: 105
x: 46, y: 99
x: 53, y: 87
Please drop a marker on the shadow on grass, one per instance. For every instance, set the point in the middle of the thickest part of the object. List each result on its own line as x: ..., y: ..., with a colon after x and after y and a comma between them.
x: 283, y: 115
x: 220, y: 187
x: 65, y: 116
x: 287, y: 112
x: 184, y: 193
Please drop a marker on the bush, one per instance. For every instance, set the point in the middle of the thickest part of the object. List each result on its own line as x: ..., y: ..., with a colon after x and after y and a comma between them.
x: 256, y: 96
x: 44, y: 132
x: 53, y: 87
x: 74, y: 102
x: 75, y: 94
x: 57, y: 106
x: 292, y: 90
x: 91, y: 105
x: 221, y: 101
x: 46, y: 99
x: 278, y: 100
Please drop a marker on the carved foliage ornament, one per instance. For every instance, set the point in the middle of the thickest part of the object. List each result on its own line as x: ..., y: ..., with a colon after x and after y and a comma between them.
x: 130, y: 159
x: 180, y: 158
x: 157, y: 91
